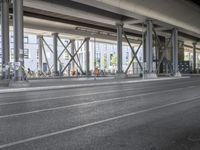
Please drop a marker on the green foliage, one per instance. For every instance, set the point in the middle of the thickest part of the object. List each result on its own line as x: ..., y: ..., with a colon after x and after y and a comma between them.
x: 114, y: 60
x: 104, y: 61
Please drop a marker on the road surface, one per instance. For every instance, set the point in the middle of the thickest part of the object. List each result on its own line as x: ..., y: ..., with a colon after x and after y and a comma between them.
x: 159, y: 115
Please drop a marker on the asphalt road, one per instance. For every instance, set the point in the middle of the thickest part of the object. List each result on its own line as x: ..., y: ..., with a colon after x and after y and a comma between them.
x: 161, y: 115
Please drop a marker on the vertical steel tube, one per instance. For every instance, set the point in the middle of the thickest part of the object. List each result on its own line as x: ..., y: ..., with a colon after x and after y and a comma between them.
x: 72, y: 53
x: 119, y: 48
x: 194, y: 57
x: 5, y: 37
x: 40, y: 46
x: 94, y: 53
x: 87, y: 56
x: 149, y: 47
x: 18, y: 26
x: 55, y: 53
x: 175, y: 50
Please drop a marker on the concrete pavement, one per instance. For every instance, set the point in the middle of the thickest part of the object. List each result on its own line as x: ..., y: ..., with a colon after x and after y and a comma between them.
x: 50, y: 84
x: 161, y: 115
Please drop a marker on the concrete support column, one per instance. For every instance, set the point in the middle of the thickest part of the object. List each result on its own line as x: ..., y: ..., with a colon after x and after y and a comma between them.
x: 55, y: 53
x: 87, y: 56
x: 18, y: 26
x: 194, y: 58
x: 149, y: 47
x: 149, y: 72
x: 119, y: 48
x: 72, y: 52
x: 40, y: 46
x: 5, y: 37
x: 175, y: 50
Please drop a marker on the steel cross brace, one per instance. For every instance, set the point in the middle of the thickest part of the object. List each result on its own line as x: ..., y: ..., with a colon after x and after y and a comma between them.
x: 45, y: 55
x: 134, y: 53
x: 49, y: 48
x: 163, y: 54
x: 65, y: 47
x: 159, y: 47
x: 73, y: 56
x: 79, y: 62
x: 157, y: 39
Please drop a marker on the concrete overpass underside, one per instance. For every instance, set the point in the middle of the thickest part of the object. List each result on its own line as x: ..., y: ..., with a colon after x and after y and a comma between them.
x: 123, y: 21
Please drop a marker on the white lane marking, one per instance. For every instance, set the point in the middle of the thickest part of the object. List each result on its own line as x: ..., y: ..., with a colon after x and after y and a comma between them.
x: 60, y: 98
x: 86, y: 103
x: 96, y: 123
x: 83, y: 85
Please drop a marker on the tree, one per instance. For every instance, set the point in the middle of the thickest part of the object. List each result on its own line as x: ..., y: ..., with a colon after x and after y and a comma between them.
x: 114, y: 60
x: 104, y: 61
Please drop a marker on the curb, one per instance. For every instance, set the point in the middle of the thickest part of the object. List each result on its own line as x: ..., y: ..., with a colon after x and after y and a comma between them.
x: 29, y: 89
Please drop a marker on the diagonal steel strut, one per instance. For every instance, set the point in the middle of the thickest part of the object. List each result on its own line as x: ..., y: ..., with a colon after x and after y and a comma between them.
x: 134, y: 54
x: 72, y: 58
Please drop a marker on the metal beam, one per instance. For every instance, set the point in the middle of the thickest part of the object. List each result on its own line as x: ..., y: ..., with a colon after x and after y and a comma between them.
x: 40, y: 45
x: 95, y: 63
x: 162, y: 28
x: 72, y: 58
x: 164, y: 54
x: 47, y: 45
x: 133, y: 21
x: 87, y: 56
x: 134, y: 54
x: 149, y: 47
x: 72, y: 52
x: 79, y: 62
x: 194, y: 57
x: 65, y: 47
x: 18, y: 39
x: 175, y: 50
x: 51, y: 50
x: 55, y: 53
x: 5, y: 37
x: 119, y: 47
x: 45, y: 55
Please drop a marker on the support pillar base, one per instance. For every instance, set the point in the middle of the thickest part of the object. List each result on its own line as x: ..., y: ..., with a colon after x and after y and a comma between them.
x: 19, y: 84
x: 55, y: 74
x: 194, y: 71
x: 150, y: 76
x: 178, y: 74
x: 120, y: 75
x: 4, y: 83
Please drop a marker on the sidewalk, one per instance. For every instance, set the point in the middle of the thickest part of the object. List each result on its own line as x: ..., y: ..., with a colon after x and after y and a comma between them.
x: 37, y: 85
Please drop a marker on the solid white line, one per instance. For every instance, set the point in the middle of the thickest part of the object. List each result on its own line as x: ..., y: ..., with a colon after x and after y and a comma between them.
x: 86, y: 103
x: 95, y: 123
x: 60, y: 97
x: 82, y: 85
